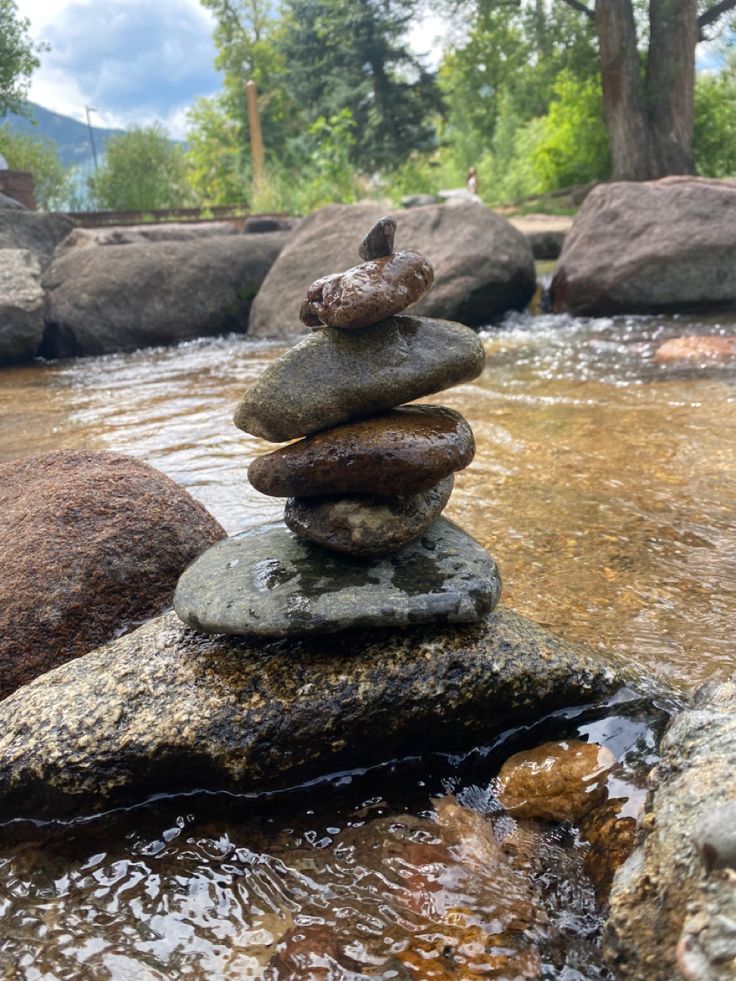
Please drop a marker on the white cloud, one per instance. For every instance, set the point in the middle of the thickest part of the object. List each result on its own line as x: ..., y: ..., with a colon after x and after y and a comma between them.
x: 133, y: 60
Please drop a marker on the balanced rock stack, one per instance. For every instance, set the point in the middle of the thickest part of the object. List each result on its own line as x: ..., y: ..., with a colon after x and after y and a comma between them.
x: 362, y: 543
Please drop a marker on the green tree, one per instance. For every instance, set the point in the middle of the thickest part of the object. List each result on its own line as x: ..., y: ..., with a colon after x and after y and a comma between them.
x: 714, y: 140
x: 218, y: 161
x: 41, y: 158
x: 354, y: 55
x: 18, y: 58
x: 142, y: 170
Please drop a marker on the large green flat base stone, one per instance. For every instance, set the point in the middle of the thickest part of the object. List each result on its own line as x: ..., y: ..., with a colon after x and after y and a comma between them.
x: 268, y: 582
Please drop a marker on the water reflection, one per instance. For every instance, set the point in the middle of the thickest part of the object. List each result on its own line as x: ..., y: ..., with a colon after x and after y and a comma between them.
x: 604, y: 483
x: 402, y: 871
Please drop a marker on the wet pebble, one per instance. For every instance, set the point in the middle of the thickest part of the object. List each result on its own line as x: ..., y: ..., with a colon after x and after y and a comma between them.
x: 363, y: 524
x: 399, y: 452
x: 380, y: 240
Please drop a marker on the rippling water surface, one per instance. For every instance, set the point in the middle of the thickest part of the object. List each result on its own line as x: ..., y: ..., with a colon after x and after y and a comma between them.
x: 604, y: 484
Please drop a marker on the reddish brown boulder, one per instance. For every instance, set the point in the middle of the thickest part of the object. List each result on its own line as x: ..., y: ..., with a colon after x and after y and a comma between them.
x: 697, y: 349
x: 91, y: 544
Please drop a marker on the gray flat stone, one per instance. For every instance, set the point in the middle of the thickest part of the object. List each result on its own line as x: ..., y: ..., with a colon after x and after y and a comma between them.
x: 270, y: 583
x: 335, y: 375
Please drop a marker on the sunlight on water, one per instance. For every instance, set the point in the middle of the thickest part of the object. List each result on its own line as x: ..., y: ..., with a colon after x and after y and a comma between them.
x: 604, y: 483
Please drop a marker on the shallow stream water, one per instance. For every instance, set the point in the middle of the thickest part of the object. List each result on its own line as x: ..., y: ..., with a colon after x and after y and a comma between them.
x: 605, y: 486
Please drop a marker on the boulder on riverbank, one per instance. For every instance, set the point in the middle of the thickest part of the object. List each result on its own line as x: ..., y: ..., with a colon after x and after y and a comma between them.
x: 38, y: 231
x: 90, y: 545
x: 138, y: 295
x: 169, y: 231
x: 21, y: 305
x: 655, y: 247
x: 167, y: 709
x: 673, y: 903
x: 483, y: 266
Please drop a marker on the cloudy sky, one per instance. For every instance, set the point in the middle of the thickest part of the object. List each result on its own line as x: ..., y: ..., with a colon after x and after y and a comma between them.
x: 133, y: 60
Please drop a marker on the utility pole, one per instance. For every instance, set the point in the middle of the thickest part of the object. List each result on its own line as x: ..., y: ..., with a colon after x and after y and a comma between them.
x: 254, y: 125
x: 88, y: 110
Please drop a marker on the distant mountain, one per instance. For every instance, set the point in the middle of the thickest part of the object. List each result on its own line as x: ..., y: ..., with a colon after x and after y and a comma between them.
x: 70, y: 136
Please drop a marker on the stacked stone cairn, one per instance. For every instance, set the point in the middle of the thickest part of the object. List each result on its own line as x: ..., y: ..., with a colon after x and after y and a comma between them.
x: 362, y: 543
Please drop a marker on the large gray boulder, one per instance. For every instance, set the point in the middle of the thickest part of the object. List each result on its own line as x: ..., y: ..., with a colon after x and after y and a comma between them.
x: 673, y: 903
x: 174, y: 231
x: 654, y: 247
x: 167, y: 709
x: 126, y: 297
x: 483, y: 266
x: 39, y: 232
x: 21, y: 305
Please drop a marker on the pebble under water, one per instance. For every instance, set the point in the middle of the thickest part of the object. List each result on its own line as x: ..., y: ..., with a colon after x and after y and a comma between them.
x: 393, y: 872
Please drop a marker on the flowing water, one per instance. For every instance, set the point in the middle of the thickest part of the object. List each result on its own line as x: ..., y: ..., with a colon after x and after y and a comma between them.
x: 604, y: 484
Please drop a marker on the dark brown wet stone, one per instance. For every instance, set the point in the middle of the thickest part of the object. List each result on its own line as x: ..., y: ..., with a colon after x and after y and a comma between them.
x: 369, y: 292
x: 380, y: 239
x: 335, y: 375
x: 399, y: 452
x: 364, y: 524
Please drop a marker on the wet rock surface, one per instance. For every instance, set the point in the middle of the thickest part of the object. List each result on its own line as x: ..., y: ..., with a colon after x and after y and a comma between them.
x: 482, y: 265
x: 367, y: 293
x: 365, y: 524
x: 556, y: 781
x: 697, y: 348
x: 270, y: 583
x: 399, y: 452
x: 650, y: 247
x: 335, y: 375
x: 167, y: 709
x: 90, y: 545
x: 673, y: 903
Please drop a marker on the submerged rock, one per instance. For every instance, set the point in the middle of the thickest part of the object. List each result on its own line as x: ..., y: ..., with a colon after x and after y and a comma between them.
x: 697, y: 348
x: 673, y: 905
x: 367, y: 293
x: 269, y: 582
x: 90, y: 545
x: 363, y: 524
x: 335, y: 375
x: 167, y: 709
x: 402, y: 451
x: 556, y: 781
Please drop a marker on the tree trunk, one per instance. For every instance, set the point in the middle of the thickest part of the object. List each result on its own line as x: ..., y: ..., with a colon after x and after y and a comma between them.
x: 629, y: 135
x: 670, y: 83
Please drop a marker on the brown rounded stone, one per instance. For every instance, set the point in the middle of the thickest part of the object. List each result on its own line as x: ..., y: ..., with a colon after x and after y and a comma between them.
x: 555, y: 781
x: 697, y: 348
x: 363, y: 524
x: 399, y: 452
x: 91, y: 544
x: 369, y: 292
x: 380, y: 239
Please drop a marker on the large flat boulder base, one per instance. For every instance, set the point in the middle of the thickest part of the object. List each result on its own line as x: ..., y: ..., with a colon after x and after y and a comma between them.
x: 124, y: 297
x: 91, y: 544
x: 656, y: 247
x: 166, y: 709
x: 673, y: 902
x: 21, y: 305
x: 483, y: 266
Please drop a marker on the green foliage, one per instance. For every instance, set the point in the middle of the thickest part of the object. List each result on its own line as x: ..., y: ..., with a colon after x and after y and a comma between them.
x: 18, y: 58
x: 41, y: 158
x: 714, y: 141
x: 218, y: 166
x: 327, y: 175
x: 142, y: 171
